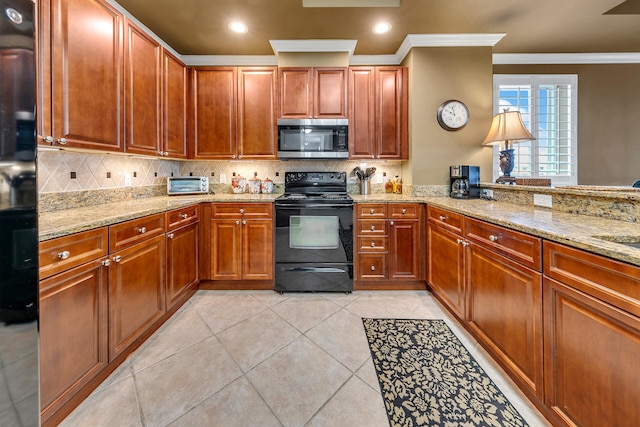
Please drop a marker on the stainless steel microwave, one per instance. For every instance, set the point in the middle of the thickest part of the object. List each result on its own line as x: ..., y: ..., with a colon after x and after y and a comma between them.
x: 313, y: 139
x: 187, y: 185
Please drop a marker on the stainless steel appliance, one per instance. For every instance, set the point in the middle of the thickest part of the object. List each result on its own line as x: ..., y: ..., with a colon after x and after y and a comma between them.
x: 464, y: 182
x: 18, y: 223
x: 314, y: 233
x: 187, y: 185
x: 313, y: 139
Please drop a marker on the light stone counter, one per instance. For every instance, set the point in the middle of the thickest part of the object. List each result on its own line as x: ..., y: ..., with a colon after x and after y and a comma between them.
x: 568, y: 228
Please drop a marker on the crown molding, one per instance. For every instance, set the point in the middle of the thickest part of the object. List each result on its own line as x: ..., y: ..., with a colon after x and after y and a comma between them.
x: 566, y: 58
x: 445, y: 40
x: 240, y: 60
x: 373, y: 60
x: 313, y: 45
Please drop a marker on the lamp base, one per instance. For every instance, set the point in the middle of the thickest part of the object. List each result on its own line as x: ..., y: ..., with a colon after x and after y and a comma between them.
x: 506, y: 180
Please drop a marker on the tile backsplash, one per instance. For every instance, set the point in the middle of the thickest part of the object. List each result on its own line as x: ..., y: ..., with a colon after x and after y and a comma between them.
x: 65, y: 171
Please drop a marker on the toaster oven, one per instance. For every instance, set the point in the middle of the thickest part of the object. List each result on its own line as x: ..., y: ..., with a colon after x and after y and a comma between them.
x: 177, y: 185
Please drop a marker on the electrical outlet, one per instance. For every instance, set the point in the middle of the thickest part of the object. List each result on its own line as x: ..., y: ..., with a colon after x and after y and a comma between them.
x: 379, y: 179
x: 543, y: 200
x: 487, y: 194
x: 127, y: 180
x: 223, y: 178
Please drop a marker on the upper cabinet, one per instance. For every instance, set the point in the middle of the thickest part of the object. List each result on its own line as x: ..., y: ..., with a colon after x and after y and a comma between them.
x: 313, y: 92
x: 143, y: 85
x: 175, y: 89
x: 81, y: 74
x: 378, y: 112
x: 234, y: 112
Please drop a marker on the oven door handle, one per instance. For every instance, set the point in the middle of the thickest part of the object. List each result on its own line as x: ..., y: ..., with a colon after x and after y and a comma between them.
x: 319, y: 206
x: 318, y: 269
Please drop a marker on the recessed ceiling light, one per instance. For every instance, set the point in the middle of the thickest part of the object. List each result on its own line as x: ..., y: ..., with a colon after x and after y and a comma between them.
x: 382, y: 28
x: 238, y: 27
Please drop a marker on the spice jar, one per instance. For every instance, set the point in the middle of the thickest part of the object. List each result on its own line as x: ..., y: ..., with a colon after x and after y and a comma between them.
x: 267, y: 186
x: 255, y: 184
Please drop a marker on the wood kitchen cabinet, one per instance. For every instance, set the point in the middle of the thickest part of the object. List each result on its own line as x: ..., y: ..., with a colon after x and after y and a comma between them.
x: 75, y: 60
x: 175, y: 91
x: 234, y: 112
x: 136, y: 280
x: 591, y: 338
x: 378, y: 112
x: 241, y: 243
x: 73, y: 315
x: 143, y: 78
x: 182, y: 254
x: 388, y: 241
x: 313, y: 92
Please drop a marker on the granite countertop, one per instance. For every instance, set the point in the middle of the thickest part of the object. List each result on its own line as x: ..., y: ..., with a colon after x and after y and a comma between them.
x: 575, y: 230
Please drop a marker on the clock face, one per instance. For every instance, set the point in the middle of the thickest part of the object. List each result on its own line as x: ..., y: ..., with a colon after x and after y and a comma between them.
x: 453, y: 115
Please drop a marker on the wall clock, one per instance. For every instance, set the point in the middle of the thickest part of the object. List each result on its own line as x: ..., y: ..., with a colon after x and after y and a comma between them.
x: 452, y: 115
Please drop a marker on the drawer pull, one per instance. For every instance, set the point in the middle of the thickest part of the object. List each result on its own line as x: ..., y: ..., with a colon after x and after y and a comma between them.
x: 462, y: 242
x: 372, y: 211
x: 64, y: 254
x: 237, y: 222
x: 241, y: 211
x: 404, y: 211
x: 170, y: 236
x: 373, y: 268
x: 62, y: 141
x: 142, y: 230
x: 373, y: 244
x: 493, y: 238
x: 391, y: 222
x: 442, y: 217
x: 184, y: 216
x: 244, y: 222
x: 373, y: 228
x: 106, y: 262
x: 117, y: 258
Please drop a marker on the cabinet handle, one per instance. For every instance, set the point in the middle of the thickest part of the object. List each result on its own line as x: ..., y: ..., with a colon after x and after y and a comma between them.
x: 244, y: 222
x: 373, y: 268
x: 240, y: 156
x: 373, y: 228
x: 117, y: 258
x: 233, y: 156
x: 493, y: 238
x: 62, y: 141
x: 462, y: 242
x: 237, y: 222
x: 442, y: 217
x: 106, y: 262
x: 170, y: 236
x: 142, y: 230
x: 404, y: 211
x: 64, y: 254
x: 391, y: 223
x: 372, y: 211
x: 465, y: 244
x: 166, y: 154
x: 373, y: 244
x: 241, y: 211
x: 48, y: 139
x: 184, y: 216
x: 373, y: 156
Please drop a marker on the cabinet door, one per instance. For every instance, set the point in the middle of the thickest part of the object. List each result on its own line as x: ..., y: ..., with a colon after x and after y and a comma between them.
x: 591, y: 352
x: 136, y: 292
x: 372, y: 266
x: 214, y: 112
x: 226, y: 249
x: 404, y: 252
x: 257, y: 113
x: 174, y: 106
x: 257, y: 249
x: 182, y: 262
x: 445, y: 266
x: 73, y: 332
x: 391, y: 113
x: 330, y: 93
x: 296, y: 92
x: 362, y: 112
x: 504, y: 301
x: 86, y: 55
x: 142, y: 92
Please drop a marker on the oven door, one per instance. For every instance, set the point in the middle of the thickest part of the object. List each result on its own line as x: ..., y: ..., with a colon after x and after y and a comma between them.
x: 314, y: 248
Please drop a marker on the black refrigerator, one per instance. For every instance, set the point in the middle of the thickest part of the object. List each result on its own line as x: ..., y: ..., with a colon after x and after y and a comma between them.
x: 19, y: 402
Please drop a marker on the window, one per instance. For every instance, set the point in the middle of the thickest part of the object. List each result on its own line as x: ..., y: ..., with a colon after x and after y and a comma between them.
x: 549, y: 108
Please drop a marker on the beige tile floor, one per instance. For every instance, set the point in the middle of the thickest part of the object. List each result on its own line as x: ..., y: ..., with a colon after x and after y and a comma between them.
x: 245, y: 358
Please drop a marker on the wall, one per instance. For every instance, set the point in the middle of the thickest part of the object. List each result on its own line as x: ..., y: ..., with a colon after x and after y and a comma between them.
x: 608, y: 119
x: 436, y: 75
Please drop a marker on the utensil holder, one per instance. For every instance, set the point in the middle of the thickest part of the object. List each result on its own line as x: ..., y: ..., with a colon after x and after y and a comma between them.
x: 365, y: 186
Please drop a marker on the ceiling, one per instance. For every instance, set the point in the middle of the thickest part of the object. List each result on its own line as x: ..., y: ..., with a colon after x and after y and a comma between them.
x: 200, y: 27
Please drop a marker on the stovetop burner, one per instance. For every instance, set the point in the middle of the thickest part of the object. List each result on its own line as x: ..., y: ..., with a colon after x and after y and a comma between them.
x: 315, y: 187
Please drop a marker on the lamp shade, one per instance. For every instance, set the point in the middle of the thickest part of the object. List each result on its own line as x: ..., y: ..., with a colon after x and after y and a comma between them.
x: 507, y: 126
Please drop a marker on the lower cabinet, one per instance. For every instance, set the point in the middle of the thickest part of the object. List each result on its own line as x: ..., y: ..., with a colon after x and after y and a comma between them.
x: 73, y: 333
x: 136, y: 292
x: 182, y: 254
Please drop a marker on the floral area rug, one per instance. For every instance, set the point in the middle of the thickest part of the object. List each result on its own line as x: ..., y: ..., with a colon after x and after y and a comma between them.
x: 428, y: 378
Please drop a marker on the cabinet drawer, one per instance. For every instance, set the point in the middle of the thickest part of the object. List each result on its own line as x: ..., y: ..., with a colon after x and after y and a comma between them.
x: 372, y: 227
x: 373, y: 244
x: 449, y: 220
x: 241, y: 210
x: 521, y: 247
x: 372, y: 266
x: 63, y: 253
x: 184, y: 216
x: 608, y: 280
x: 371, y: 210
x: 131, y: 232
x: 404, y: 210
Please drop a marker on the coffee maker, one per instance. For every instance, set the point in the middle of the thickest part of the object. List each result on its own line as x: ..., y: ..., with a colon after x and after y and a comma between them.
x: 464, y: 182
